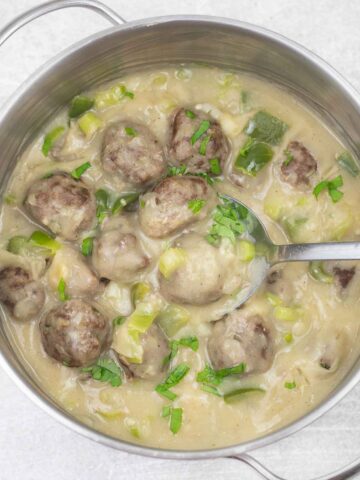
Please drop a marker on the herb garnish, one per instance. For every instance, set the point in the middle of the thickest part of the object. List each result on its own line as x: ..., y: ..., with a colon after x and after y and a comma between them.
x: 87, y: 246
x: 253, y: 156
x: 203, y: 128
x: 228, y: 222
x: 204, y: 144
x: 103, y: 204
x: 123, y: 201
x: 131, y: 132
x: 189, y: 342
x: 215, y: 167
x: 332, y: 186
x: 63, y: 296
x: 42, y: 239
x: 289, y: 157
x: 79, y: 105
x: 117, y: 321
x: 264, y: 127
x: 190, y: 114
x: 105, y: 370
x: 50, y: 139
x: 290, y: 385
x: 212, y: 377
x: 175, y: 415
x: 174, y: 377
x: 173, y: 171
x: 196, y: 205
x: 77, y: 172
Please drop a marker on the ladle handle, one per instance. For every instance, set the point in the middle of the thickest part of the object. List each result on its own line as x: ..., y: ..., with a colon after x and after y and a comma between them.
x: 317, y: 251
x: 48, y: 7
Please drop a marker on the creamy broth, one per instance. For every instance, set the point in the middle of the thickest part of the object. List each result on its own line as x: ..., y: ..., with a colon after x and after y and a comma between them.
x: 324, y: 315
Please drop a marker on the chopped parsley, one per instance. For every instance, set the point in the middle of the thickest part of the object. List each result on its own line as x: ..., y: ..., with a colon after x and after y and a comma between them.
x: 189, y: 342
x: 131, y: 132
x: 253, y: 157
x: 215, y: 167
x: 63, y: 296
x: 105, y: 370
x: 332, y: 186
x: 87, y: 246
x: 290, y: 385
x: 77, y: 172
x: 203, y: 128
x: 174, y: 377
x: 117, y: 321
x: 264, y: 127
x: 196, y: 205
x: 204, y: 144
x: 228, y: 222
x: 190, y: 114
x: 175, y: 415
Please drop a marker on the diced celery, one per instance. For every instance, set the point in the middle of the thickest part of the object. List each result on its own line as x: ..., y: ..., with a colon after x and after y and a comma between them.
x: 89, y: 123
x: 112, y: 96
x: 286, y: 314
x: 139, y: 291
x: 318, y: 272
x: 273, y: 299
x: 245, y: 250
x: 50, y: 139
x: 110, y: 415
x: 172, y: 319
x: 17, y: 243
x: 171, y: 260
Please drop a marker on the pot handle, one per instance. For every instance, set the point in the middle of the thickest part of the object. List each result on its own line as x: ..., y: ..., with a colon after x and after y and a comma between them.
x: 54, y: 5
x: 343, y: 473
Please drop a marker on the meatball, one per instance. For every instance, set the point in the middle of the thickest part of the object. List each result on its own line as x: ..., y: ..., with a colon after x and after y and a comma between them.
x: 239, y: 339
x: 74, y: 333
x: 200, y: 280
x: 64, y: 205
x: 118, y: 256
x: 343, y: 276
x: 155, y: 349
x: 132, y: 151
x: 166, y: 208
x: 23, y: 295
x: 196, y: 156
x: 299, y: 165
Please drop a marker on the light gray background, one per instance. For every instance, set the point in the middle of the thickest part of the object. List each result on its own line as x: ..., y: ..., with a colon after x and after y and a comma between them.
x: 32, y: 445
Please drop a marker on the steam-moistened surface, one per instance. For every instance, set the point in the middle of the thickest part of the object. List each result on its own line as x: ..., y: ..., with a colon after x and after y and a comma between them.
x: 119, y: 260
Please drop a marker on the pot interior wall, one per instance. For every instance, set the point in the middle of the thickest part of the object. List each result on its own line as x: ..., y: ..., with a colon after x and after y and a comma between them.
x: 117, y: 52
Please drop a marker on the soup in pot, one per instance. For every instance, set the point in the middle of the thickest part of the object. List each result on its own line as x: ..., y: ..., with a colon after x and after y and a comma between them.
x: 122, y: 262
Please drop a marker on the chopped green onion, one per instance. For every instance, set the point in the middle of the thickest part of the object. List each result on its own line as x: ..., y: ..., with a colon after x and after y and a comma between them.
x: 129, y: 94
x: 139, y: 291
x: 189, y: 342
x: 63, y: 296
x: 166, y: 411
x: 211, y: 389
x: 87, y: 246
x: 209, y: 376
x: 190, y: 114
x: 172, y: 319
x: 102, y: 204
x: 89, y: 123
x: 176, y: 419
x: 41, y: 239
x: 253, y: 157
x: 77, y: 172
x: 264, y: 127
x: 117, y: 321
x: 215, y: 167
x: 290, y: 385
x: 348, y: 163
x: 50, y: 139
x: 196, y: 205
x: 174, y: 377
x: 131, y: 132
x: 332, y: 187
x: 79, y: 105
x: 105, y: 370
x: 112, y: 96
x: 238, y: 393
x: 171, y: 260
x: 318, y: 272
x: 289, y: 158
x: 204, y: 144
x: 286, y: 314
x: 203, y: 128
x: 123, y: 201
x: 172, y: 171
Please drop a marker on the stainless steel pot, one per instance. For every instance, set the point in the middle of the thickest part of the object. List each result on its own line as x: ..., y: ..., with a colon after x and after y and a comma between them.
x: 151, y: 43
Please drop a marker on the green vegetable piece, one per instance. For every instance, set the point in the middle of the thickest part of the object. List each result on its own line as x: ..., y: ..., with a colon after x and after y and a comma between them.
x: 215, y: 167
x: 77, y: 172
x: 332, y: 186
x: 176, y: 419
x: 196, y: 205
x: 129, y: 94
x: 123, y: 201
x: 89, y: 123
x: 16, y: 244
x: 10, y: 199
x: 79, y: 105
x: 318, y: 272
x: 204, y: 144
x: 246, y: 250
x: 190, y: 114
x: 117, y: 321
x: 286, y: 314
x: 289, y: 158
x: 238, y: 393
x: 253, y: 157
x: 211, y: 389
x: 209, y: 376
x: 102, y: 204
x: 131, y: 132
x: 166, y: 411
x: 63, y: 296
x: 189, y: 342
x: 112, y: 96
x: 203, y: 128
x: 171, y: 260
x: 174, y: 377
x: 41, y: 239
x: 181, y: 170
x: 139, y: 291
x: 290, y: 385
x: 50, y: 139
x: 105, y: 370
x: 87, y: 246
x: 228, y: 222
x: 348, y: 163
x: 173, y: 319
x: 264, y: 127
x: 288, y: 337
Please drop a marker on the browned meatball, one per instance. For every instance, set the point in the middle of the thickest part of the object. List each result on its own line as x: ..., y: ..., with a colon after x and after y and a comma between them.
x: 23, y: 295
x: 166, y: 208
x: 196, y: 157
x: 118, y: 256
x: 64, y: 205
x: 299, y: 165
x: 155, y: 349
x: 239, y: 339
x: 74, y: 333
x: 133, y: 152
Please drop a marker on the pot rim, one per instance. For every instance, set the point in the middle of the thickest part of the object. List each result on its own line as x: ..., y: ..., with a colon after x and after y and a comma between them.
x: 73, y: 423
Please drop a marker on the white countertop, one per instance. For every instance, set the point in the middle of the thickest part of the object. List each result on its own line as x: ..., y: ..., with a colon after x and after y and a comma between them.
x: 33, y: 446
